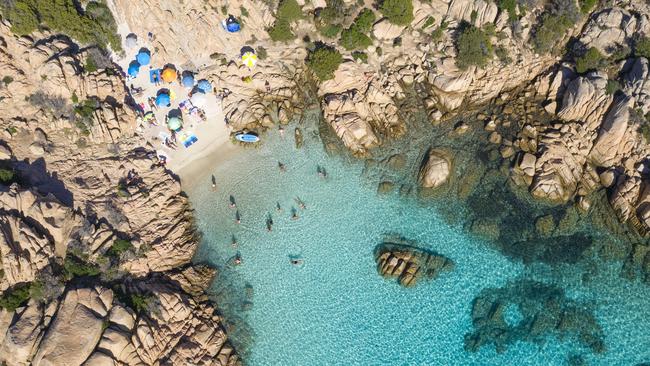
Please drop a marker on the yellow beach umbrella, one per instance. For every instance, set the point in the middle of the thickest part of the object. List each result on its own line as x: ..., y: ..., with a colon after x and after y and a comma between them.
x: 249, y: 59
x: 168, y: 75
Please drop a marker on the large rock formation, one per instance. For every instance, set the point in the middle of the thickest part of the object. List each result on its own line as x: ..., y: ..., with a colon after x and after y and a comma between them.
x: 435, y: 170
x: 409, y: 264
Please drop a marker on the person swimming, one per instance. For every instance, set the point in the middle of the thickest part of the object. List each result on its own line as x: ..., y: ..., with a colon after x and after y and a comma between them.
x: 296, y: 262
x: 233, y: 241
x: 281, y: 131
x: 278, y: 207
x: 237, y: 217
x: 294, y: 214
x: 214, y: 182
x: 269, y: 223
x: 282, y: 167
x: 300, y: 203
x: 232, y: 202
x: 237, y: 260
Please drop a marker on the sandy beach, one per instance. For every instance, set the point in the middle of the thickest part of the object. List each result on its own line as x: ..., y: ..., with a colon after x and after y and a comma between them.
x: 212, y: 134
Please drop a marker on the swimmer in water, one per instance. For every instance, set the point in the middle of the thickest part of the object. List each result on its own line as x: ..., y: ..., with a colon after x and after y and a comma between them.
x: 282, y: 167
x: 232, y: 202
x: 269, y: 223
x: 300, y: 203
x: 294, y: 214
x: 281, y: 131
x: 214, y: 183
x: 237, y: 260
x: 233, y: 241
x: 237, y: 217
x: 278, y: 207
x: 296, y: 262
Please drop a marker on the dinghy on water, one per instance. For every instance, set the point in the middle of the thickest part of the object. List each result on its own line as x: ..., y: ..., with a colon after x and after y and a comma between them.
x: 247, y: 137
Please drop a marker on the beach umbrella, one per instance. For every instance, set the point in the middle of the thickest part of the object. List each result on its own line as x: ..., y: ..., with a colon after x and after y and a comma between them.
x: 174, y: 123
x: 163, y: 100
x: 198, y: 99
x: 143, y: 57
x: 131, y: 40
x: 204, y: 86
x: 134, y: 69
x: 249, y: 59
x: 168, y: 75
x: 188, y: 80
x: 232, y: 25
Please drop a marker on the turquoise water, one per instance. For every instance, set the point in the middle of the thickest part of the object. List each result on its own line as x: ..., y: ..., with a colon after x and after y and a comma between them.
x: 335, y: 308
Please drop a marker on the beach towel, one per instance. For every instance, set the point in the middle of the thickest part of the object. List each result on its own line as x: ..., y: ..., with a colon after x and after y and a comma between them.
x: 190, y: 140
x: 153, y: 72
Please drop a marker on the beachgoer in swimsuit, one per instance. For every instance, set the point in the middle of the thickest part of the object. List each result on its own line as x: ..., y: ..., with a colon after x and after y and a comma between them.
x: 281, y: 131
x: 214, y: 182
x: 268, y: 86
x: 237, y: 217
x: 233, y: 241
x: 296, y: 262
x: 278, y: 207
x: 294, y: 214
x: 300, y: 203
x: 282, y: 167
x: 237, y: 261
x: 232, y: 202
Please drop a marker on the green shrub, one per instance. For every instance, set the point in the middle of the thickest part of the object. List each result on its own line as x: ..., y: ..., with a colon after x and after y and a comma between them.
x: 73, y: 266
x: 437, y: 34
x: 6, y: 175
x: 591, y: 60
x: 429, y: 22
x: 243, y: 11
x: 323, y: 61
x: 586, y: 5
x: 352, y: 39
x: 644, y: 129
x: 330, y: 30
x: 7, y: 80
x: 94, y: 26
x: 364, y: 21
x: 90, y: 65
x: 139, y: 302
x: 510, y: 6
x: 119, y: 246
x: 642, y: 48
x: 281, y: 31
x: 552, y: 27
x: 612, y: 87
x: 398, y: 12
x: 289, y: 10
x: 15, y: 297
x: 473, y: 47
x: 360, y: 56
x: 22, y: 17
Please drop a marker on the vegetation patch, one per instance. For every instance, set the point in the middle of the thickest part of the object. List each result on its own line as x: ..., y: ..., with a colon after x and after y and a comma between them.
x: 642, y: 48
x: 474, y: 48
x: 15, y: 297
x: 587, y: 5
x: 92, y: 25
x: 119, y: 247
x: 554, y: 24
x: 398, y: 12
x: 6, y: 175
x: 355, y: 37
x: 74, y: 266
x: 323, y: 61
x: 591, y: 60
x: 288, y: 12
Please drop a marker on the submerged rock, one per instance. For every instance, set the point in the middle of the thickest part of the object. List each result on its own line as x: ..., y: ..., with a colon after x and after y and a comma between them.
x: 410, y: 264
x: 435, y: 170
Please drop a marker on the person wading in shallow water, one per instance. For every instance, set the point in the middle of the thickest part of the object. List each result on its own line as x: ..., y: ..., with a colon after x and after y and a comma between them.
x: 214, y: 183
x: 296, y: 262
x: 232, y: 202
x: 237, y: 217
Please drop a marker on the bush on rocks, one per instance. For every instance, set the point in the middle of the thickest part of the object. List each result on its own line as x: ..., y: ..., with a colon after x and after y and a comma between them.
x: 288, y: 11
x: 94, y: 25
x: 554, y: 24
x: 323, y: 61
x: 474, y: 48
x: 398, y: 12
x: 591, y: 60
x: 355, y: 37
x: 642, y: 48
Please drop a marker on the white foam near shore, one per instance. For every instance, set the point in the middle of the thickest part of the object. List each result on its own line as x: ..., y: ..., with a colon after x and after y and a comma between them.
x: 212, y: 134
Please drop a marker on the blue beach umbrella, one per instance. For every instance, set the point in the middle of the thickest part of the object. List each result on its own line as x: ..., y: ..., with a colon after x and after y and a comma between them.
x: 232, y: 25
x: 204, y: 86
x: 134, y: 68
x: 188, y: 80
x: 143, y: 57
x: 163, y: 100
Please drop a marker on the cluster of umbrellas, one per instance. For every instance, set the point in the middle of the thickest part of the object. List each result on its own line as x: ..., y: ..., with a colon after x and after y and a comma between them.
x: 143, y: 58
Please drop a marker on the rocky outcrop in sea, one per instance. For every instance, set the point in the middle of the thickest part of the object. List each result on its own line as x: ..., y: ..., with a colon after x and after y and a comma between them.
x: 409, y: 264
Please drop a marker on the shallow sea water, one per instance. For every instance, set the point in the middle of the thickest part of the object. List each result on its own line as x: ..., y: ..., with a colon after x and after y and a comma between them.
x: 335, y: 309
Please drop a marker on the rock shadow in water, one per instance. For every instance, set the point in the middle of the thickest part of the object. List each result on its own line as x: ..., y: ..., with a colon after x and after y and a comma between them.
x: 530, y: 311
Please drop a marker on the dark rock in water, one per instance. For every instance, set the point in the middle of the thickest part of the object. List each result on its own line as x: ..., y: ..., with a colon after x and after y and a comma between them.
x: 385, y: 187
x: 298, y: 137
x: 409, y: 264
x: 396, y: 162
x: 541, y: 311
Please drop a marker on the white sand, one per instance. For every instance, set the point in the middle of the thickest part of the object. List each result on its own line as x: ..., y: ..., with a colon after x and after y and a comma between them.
x: 213, y: 134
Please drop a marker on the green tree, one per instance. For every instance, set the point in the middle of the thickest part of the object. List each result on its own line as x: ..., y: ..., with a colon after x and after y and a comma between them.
x: 473, y: 47
x: 22, y: 17
x: 352, y: 39
x: 591, y: 60
x: 323, y: 61
x: 586, y: 5
x: 510, y: 6
x: 6, y: 175
x: 398, y: 12
x: 642, y: 48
